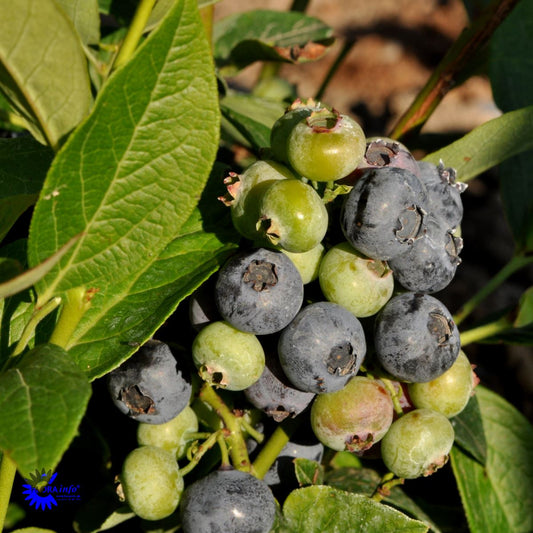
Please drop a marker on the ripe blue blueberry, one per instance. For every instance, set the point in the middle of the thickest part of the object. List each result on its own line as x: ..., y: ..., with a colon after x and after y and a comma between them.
x: 444, y: 192
x: 228, y: 501
x: 415, y: 337
x: 151, y: 386
x: 383, y: 152
x: 384, y: 212
x: 259, y: 291
x: 429, y: 264
x: 274, y: 394
x: 322, y: 348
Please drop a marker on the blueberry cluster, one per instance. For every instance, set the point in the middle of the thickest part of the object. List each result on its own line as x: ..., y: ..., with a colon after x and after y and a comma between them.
x: 335, y: 318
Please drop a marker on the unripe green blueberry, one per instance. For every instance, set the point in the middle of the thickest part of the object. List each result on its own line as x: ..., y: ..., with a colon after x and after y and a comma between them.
x: 284, y: 125
x: 449, y: 393
x: 293, y: 215
x: 228, y: 357
x: 326, y: 146
x: 358, y: 283
x: 307, y: 263
x: 354, y: 417
x: 173, y: 435
x: 417, y: 444
x: 244, y: 193
x: 152, y: 482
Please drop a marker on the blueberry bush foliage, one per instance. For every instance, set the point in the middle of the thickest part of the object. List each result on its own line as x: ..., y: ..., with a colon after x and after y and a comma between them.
x: 119, y: 124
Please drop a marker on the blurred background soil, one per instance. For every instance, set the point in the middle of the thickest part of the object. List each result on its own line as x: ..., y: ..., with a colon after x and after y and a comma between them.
x: 398, y: 43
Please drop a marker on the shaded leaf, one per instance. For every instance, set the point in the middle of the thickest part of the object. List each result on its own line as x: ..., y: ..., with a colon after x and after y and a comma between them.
x: 32, y: 276
x: 23, y: 166
x: 43, y: 69
x: 103, y: 511
x: 524, y: 316
x: 9, y: 268
x: 497, y: 497
x: 266, y: 35
x: 469, y: 432
x: 249, y: 119
x: 511, y: 75
x: 129, y: 178
x: 42, y: 401
x: 323, y: 509
x: 488, y: 145
x: 308, y: 472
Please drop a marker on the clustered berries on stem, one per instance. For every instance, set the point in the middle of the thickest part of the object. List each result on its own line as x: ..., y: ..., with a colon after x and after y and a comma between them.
x: 334, y: 318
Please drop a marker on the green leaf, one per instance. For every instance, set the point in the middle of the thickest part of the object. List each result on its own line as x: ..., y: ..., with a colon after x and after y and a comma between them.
x: 511, y: 75
x: 469, y: 432
x: 85, y: 16
x: 524, y: 316
x: 266, y: 35
x: 323, y: 509
x: 42, y: 401
x: 308, y: 472
x: 497, y: 497
x: 43, y: 68
x: 207, y: 239
x: 366, y: 481
x: 488, y: 145
x: 23, y: 167
x: 129, y: 178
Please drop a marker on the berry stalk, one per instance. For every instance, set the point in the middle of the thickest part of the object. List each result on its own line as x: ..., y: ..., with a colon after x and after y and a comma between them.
x: 135, y: 32
x: 270, y: 451
x: 238, y: 452
x: 77, y: 302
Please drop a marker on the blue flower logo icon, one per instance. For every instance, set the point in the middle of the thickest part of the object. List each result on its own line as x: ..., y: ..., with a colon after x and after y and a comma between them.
x: 33, y: 489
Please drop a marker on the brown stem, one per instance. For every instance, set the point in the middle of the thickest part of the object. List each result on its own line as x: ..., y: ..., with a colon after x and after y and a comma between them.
x: 469, y: 43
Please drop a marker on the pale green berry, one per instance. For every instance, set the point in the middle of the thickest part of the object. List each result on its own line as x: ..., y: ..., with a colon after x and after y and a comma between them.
x: 417, y: 444
x: 307, y: 263
x: 227, y: 357
x: 152, y: 482
x: 173, y: 435
x: 358, y: 283
x: 449, y: 393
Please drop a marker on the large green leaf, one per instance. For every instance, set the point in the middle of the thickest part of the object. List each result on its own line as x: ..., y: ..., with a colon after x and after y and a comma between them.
x: 85, y: 17
x: 266, y: 35
x: 488, y: 145
x: 129, y: 178
x: 116, y: 330
x: 23, y: 167
x: 497, y: 497
x: 43, y: 69
x: 42, y: 401
x: 511, y: 75
x: 323, y: 509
